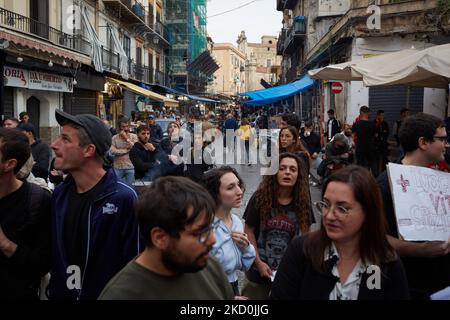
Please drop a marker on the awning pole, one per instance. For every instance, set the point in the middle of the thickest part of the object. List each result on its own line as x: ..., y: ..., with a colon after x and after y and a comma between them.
x: 408, y: 93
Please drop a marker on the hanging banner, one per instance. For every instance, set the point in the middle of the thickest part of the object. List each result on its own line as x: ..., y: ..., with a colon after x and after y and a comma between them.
x: 421, y: 201
x: 21, y: 78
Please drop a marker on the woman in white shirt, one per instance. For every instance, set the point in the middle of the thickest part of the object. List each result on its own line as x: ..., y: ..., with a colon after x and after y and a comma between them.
x: 232, y: 248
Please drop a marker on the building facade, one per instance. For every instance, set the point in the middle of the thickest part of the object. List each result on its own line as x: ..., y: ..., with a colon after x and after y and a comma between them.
x: 262, y: 63
x: 190, y: 60
x: 230, y: 77
x: 60, y: 55
x: 336, y: 31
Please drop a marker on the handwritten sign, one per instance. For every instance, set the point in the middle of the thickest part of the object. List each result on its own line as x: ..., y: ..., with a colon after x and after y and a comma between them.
x: 421, y: 201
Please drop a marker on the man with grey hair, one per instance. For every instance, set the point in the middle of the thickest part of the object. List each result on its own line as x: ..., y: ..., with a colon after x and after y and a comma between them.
x: 95, y: 232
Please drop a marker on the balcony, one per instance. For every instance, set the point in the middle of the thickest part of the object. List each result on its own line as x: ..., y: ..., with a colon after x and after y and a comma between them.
x: 133, y: 13
x: 25, y: 25
x: 135, y: 71
x: 161, y: 78
x: 280, y: 42
x: 295, y: 35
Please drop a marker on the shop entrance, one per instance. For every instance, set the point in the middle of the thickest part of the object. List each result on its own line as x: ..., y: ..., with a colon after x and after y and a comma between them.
x: 33, y: 109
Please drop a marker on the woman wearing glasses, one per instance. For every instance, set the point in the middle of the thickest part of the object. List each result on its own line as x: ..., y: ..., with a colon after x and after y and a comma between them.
x: 232, y: 248
x: 279, y: 210
x: 349, y: 258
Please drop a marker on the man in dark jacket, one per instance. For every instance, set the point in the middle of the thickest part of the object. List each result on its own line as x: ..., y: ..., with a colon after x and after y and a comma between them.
x: 144, y: 157
x: 333, y: 126
x: 156, y: 133
x: 381, y: 141
x: 39, y: 150
x: 311, y: 140
x: 25, y: 242
x: 95, y: 232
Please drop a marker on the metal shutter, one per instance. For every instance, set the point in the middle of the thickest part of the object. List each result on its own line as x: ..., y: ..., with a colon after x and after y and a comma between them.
x: 81, y: 101
x: 8, y: 101
x: 392, y: 99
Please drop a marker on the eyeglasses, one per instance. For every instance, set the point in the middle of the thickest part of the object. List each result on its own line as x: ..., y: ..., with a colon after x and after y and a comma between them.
x: 324, y: 208
x: 441, y: 138
x: 204, y: 233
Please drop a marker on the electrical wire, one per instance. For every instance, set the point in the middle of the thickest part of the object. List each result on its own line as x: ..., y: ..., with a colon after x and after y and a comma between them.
x: 241, y: 6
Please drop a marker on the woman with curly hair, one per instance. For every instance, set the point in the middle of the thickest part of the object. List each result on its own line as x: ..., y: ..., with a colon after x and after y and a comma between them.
x: 288, y: 141
x: 278, y: 211
x: 232, y: 248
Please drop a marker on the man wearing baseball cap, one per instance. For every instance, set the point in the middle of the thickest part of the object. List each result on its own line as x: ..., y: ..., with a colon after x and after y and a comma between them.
x: 95, y: 233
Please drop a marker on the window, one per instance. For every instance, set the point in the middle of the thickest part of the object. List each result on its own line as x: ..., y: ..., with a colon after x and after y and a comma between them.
x: 127, y: 45
x: 138, y: 56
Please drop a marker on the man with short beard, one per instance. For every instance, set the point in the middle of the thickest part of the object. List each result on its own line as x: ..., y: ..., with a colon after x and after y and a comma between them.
x: 143, y: 155
x: 175, y: 216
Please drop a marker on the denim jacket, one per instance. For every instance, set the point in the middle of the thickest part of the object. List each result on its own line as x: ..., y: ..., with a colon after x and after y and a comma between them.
x: 227, y: 252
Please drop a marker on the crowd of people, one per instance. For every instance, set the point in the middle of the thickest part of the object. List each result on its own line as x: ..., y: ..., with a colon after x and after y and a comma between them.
x: 95, y: 237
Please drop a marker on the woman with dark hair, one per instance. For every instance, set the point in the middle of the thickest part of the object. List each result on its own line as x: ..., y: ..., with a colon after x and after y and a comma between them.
x: 279, y: 210
x: 232, y: 248
x: 288, y: 141
x: 349, y: 258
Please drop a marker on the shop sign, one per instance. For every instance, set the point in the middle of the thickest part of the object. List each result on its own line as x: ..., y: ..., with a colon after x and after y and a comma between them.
x: 21, y: 78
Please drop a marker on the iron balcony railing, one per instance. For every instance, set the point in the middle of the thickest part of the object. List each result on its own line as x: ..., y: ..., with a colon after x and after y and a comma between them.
x: 15, y: 21
x: 295, y: 36
x: 136, y: 71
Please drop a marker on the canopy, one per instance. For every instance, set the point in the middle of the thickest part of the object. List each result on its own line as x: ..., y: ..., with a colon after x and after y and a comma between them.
x: 421, y: 68
x: 278, y: 93
x: 152, y: 95
x: 177, y: 92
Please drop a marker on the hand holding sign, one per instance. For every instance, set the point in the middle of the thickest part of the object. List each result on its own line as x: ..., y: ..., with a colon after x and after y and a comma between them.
x: 422, y: 205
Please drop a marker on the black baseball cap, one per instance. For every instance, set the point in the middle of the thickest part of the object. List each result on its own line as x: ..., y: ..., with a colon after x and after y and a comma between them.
x: 94, y: 126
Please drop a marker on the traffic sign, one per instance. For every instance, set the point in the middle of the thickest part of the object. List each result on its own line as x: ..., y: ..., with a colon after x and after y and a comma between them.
x: 336, y: 87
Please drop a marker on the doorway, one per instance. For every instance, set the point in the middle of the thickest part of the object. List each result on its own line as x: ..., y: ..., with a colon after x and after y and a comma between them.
x: 33, y: 110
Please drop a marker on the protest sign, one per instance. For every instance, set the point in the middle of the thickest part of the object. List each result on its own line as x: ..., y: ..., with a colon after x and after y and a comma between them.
x: 421, y: 201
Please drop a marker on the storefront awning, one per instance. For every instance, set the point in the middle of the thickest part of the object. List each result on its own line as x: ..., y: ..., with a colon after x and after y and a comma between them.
x: 179, y: 93
x: 278, y: 93
x: 152, y: 95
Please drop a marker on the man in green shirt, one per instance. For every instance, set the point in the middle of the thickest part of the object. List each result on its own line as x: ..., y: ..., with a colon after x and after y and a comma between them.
x: 175, y: 216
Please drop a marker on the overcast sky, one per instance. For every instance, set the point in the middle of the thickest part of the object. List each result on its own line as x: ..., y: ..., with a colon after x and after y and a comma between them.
x: 257, y: 19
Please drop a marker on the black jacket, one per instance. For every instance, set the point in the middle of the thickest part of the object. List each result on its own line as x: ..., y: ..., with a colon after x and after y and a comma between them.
x: 142, y: 159
x: 41, y: 155
x: 156, y: 134
x: 296, y: 279
x: 335, y: 128
x: 30, y: 229
x: 311, y: 142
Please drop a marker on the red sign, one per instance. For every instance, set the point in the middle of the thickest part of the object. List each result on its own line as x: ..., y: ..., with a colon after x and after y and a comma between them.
x: 336, y: 87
